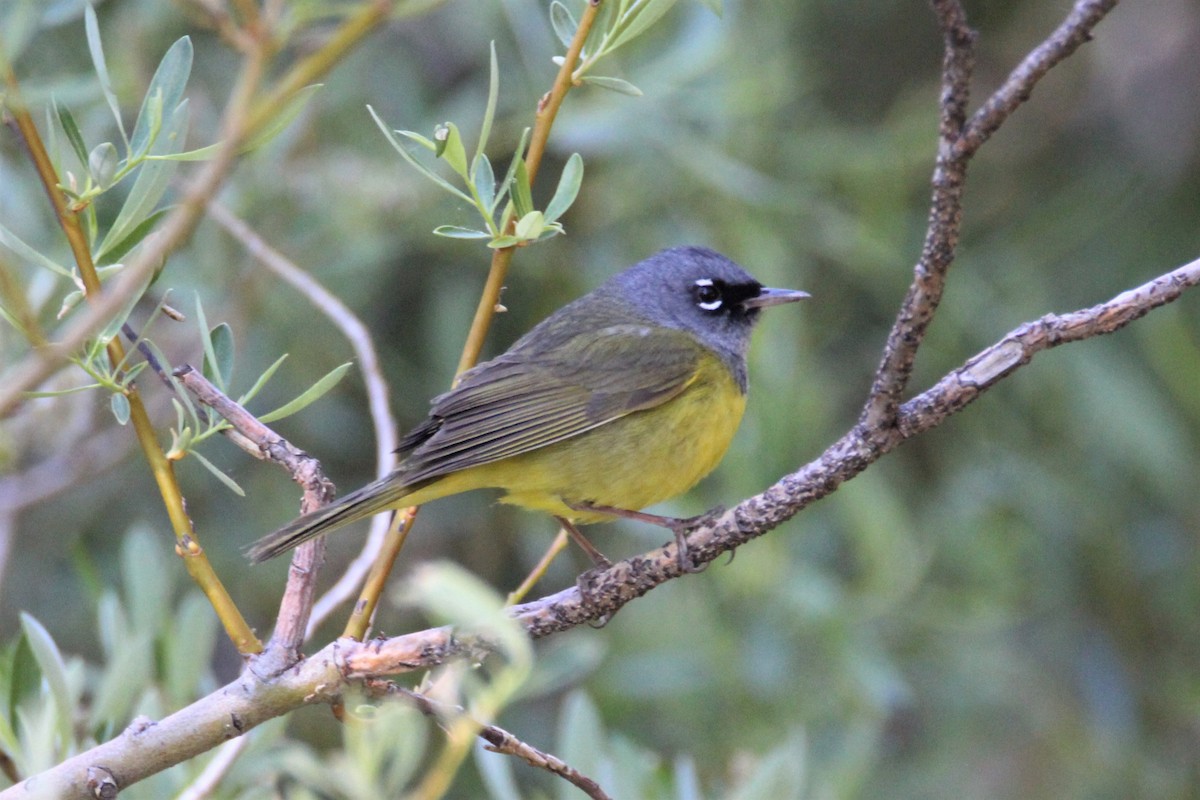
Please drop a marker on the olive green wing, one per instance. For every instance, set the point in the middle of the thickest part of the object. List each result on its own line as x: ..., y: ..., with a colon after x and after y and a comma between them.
x: 524, y: 399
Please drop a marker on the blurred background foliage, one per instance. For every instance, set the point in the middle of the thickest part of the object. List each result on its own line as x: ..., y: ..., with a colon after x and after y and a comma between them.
x: 1007, y: 607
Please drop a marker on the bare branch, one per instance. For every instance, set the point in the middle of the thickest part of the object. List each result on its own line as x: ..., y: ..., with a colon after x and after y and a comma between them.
x: 957, y: 144
x: 360, y: 339
x: 261, y: 442
x: 1075, y: 30
x: 984, y: 370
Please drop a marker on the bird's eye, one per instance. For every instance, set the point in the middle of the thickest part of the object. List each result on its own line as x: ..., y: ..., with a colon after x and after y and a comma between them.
x: 707, y: 294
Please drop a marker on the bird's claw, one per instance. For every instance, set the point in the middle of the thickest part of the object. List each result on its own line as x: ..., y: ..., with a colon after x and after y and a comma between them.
x: 682, y: 528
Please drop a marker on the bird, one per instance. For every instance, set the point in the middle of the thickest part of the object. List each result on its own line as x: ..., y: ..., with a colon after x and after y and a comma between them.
x: 621, y: 399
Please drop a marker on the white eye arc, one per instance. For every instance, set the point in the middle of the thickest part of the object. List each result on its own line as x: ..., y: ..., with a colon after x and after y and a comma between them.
x: 708, y: 296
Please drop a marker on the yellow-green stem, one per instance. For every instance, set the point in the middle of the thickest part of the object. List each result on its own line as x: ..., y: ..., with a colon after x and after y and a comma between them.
x: 197, y: 563
x: 311, y: 68
x: 548, y: 107
x: 368, y: 599
x: 535, y: 574
x: 484, y: 313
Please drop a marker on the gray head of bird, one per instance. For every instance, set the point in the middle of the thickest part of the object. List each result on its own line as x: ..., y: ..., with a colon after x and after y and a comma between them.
x: 700, y: 291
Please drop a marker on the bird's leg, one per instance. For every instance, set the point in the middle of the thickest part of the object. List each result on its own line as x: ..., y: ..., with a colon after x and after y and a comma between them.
x: 599, y: 563
x: 680, y: 527
x: 599, y: 560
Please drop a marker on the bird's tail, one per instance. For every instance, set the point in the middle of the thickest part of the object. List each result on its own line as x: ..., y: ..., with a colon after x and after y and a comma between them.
x: 370, y: 499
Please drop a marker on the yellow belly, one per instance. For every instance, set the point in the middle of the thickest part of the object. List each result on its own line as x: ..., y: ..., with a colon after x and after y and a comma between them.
x: 636, y: 461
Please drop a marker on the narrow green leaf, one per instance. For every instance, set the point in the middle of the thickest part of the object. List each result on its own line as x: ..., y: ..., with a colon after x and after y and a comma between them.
x: 568, y: 188
x: 120, y: 407
x: 208, y: 367
x: 315, y: 392
x: 613, y: 84
x: 164, y: 93
x: 563, y: 22
x: 503, y: 241
x: 222, y: 344
x: 119, y: 250
x: 16, y: 324
x: 152, y: 181
x: 262, y: 380
x: 102, y: 164
x: 424, y: 141
x: 456, y: 232
x: 146, y: 582
x: 63, y: 392
x: 530, y: 226
x: 126, y: 675
x: 67, y: 121
x: 581, y: 739
x: 199, y: 154
x: 25, y: 678
x: 229, y: 482
x: 70, y: 301
x: 114, y: 325
x: 484, y: 180
x: 180, y: 412
x: 291, y: 109
x: 496, y: 773
x: 638, y: 19
x: 489, y: 114
x: 187, y: 652
x: 451, y: 148
x: 407, y: 156
x: 92, y: 26
x: 510, y: 173
x: 22, y: 680
x: 23, y: 250
x: 521, y: 193
x: 54, y: 671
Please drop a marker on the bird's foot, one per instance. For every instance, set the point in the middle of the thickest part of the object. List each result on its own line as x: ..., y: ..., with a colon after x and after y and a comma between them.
x: 680, y: 527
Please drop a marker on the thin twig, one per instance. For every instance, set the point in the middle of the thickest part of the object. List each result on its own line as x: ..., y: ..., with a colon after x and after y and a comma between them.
x: 958, y: 141
x: 501, y: 741
x: 945, y: 219
x: 209, y: 779
x: 1074, y: 31
x: 261, y: 442
x: 378, y: 402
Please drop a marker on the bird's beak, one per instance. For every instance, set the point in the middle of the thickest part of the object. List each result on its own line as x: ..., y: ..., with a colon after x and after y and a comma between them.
x: 773, y: 297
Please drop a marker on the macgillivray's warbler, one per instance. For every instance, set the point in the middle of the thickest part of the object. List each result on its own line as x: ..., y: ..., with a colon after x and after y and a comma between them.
x: 621, y: 399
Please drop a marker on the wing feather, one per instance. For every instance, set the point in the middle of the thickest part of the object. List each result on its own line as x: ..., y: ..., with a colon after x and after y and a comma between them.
x: 525, y: 399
